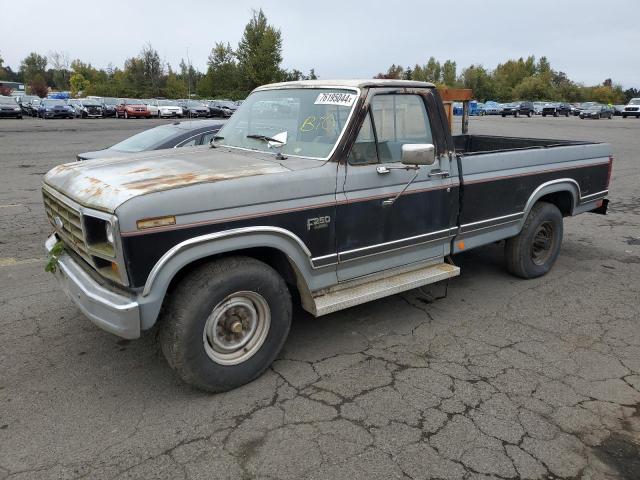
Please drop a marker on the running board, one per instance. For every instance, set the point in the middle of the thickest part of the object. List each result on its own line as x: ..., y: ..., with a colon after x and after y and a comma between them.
x: 349, y: 296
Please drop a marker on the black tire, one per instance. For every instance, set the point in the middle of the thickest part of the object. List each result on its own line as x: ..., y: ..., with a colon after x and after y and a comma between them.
x: 126, y: 115
x: 193, y: 303
x: 529, y: 114
x: 566, y: 114
x: 516, y: 114
x: 544, y: 114
x: 533, y: 252
x: 503, y: 115
x: 555, y: 114
x: 624, y: 116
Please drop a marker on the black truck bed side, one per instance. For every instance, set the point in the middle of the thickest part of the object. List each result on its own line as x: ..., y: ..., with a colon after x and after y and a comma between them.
x: 471, y: 144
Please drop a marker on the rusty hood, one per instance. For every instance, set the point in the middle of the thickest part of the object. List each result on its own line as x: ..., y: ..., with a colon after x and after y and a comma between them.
x: 105, y: 184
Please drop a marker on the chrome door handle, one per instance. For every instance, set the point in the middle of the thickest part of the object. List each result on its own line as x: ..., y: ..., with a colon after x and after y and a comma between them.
x: 439, y: 173
x: 382, y: 170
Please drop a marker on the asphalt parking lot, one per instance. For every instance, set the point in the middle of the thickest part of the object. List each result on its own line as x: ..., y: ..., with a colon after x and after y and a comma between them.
x: 502, y: 378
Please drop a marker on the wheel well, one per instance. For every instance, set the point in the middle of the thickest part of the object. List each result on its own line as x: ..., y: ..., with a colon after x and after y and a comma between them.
x: 563, y: 200
x: 271, y: 256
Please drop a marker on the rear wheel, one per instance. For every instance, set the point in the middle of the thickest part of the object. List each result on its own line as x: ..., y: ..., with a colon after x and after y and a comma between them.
x: 225, y: 323
x: 533, y: 252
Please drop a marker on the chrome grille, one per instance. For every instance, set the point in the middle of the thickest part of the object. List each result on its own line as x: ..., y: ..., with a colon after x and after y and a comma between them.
x: 69, y: 226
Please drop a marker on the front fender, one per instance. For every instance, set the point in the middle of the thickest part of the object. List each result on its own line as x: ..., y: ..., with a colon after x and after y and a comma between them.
x: 228, y: 241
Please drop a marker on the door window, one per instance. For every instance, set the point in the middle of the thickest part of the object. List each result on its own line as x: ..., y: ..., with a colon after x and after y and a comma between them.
x: 399, y: 119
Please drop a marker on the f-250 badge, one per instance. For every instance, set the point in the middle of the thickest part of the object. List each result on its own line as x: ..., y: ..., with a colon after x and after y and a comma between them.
x: 318, y: 222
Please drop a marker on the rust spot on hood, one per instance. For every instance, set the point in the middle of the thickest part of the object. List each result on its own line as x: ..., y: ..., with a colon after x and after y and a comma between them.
x: 140, y: 170
x: 170, y: 180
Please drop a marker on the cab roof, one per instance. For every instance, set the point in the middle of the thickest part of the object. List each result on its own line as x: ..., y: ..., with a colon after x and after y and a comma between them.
x: 363, y: 83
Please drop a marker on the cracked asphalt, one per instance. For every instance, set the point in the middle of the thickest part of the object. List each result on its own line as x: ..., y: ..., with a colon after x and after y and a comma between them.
x: 490, y: 377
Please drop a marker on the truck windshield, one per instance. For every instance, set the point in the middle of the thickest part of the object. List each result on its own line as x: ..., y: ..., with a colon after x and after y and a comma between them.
x: 306, y: 122
x: 635, y: 101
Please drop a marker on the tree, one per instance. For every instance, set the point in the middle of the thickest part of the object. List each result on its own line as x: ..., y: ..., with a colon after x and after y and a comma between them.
x: 221, y: 79
x: 449, y: 73
x: 259, y: 52
x: 408, y: 74
x: 395, y: 72
x: 152, y: 71
x: 478, y: 79
x: 174, y: 87
x: 79, y: 84
x: 33, y: 65
x: 631, y: 93
x: 60, y: 69
x: 38, y: 85
x: 432, y: 71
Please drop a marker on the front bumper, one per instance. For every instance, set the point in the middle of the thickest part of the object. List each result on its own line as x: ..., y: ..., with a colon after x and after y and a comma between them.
x: 111, y: 311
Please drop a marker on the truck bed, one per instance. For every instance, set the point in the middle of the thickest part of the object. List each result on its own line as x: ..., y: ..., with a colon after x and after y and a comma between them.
x: 474, y: 144
x: 501, y: 177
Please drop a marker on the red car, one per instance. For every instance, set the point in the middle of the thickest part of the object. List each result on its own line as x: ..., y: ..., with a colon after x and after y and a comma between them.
x: 130, y: 107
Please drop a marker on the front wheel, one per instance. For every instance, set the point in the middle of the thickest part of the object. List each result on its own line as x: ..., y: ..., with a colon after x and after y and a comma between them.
x: 533, y: 252
x: 225, y: 323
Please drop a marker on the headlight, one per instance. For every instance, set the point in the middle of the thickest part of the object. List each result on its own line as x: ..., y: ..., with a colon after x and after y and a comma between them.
x: 108, y: 230
x: 17, y: 109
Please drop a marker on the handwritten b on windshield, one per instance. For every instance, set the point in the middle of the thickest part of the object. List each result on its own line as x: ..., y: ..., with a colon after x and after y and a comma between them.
x: 326, y: 122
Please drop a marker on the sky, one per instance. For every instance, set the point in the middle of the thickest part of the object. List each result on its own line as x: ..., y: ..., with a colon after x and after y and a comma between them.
x: 589, y: 40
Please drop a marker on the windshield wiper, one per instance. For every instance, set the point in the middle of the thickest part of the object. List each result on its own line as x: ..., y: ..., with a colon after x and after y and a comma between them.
x: 265, y: 138
x: 269, y: 139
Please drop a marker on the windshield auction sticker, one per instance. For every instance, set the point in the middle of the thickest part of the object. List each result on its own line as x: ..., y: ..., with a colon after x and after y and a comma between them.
x: 340, y: 99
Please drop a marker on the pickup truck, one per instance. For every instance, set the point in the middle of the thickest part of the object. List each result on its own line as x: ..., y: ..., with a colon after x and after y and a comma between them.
x: 326, y: 193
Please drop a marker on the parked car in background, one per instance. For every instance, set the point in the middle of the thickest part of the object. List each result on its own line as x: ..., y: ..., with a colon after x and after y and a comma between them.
x: 518, y: 108
x: 537, y: 107
x: 227, y: 107
x: 132, y: 108
x: 9, y: 107
x: 166, y: 108
x: 34, y: 105
x: 174, y: 135
x: 25, y: 103
x: 618, y: 109
x: 193, y: 108
x: 55, y: 108
x: 583, y: 106
x: 492, y: 108
x: 632, y: 109
x: 152, y: 106
x: 109, y: 105
x: 87, y: 107
x: 556, y: 109
x: 596, y: 111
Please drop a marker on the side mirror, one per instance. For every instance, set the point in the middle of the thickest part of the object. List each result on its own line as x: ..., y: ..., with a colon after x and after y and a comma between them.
x: 418, y: 154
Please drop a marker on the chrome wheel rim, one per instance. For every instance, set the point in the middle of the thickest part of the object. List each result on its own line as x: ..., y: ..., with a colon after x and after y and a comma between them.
x: 542, y: 245
x: 236, y: 328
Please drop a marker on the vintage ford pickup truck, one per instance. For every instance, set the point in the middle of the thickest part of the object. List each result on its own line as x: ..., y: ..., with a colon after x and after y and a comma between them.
x: 327, y: 193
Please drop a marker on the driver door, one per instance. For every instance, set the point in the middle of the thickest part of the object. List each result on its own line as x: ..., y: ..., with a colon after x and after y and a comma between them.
x: 389, y: 216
